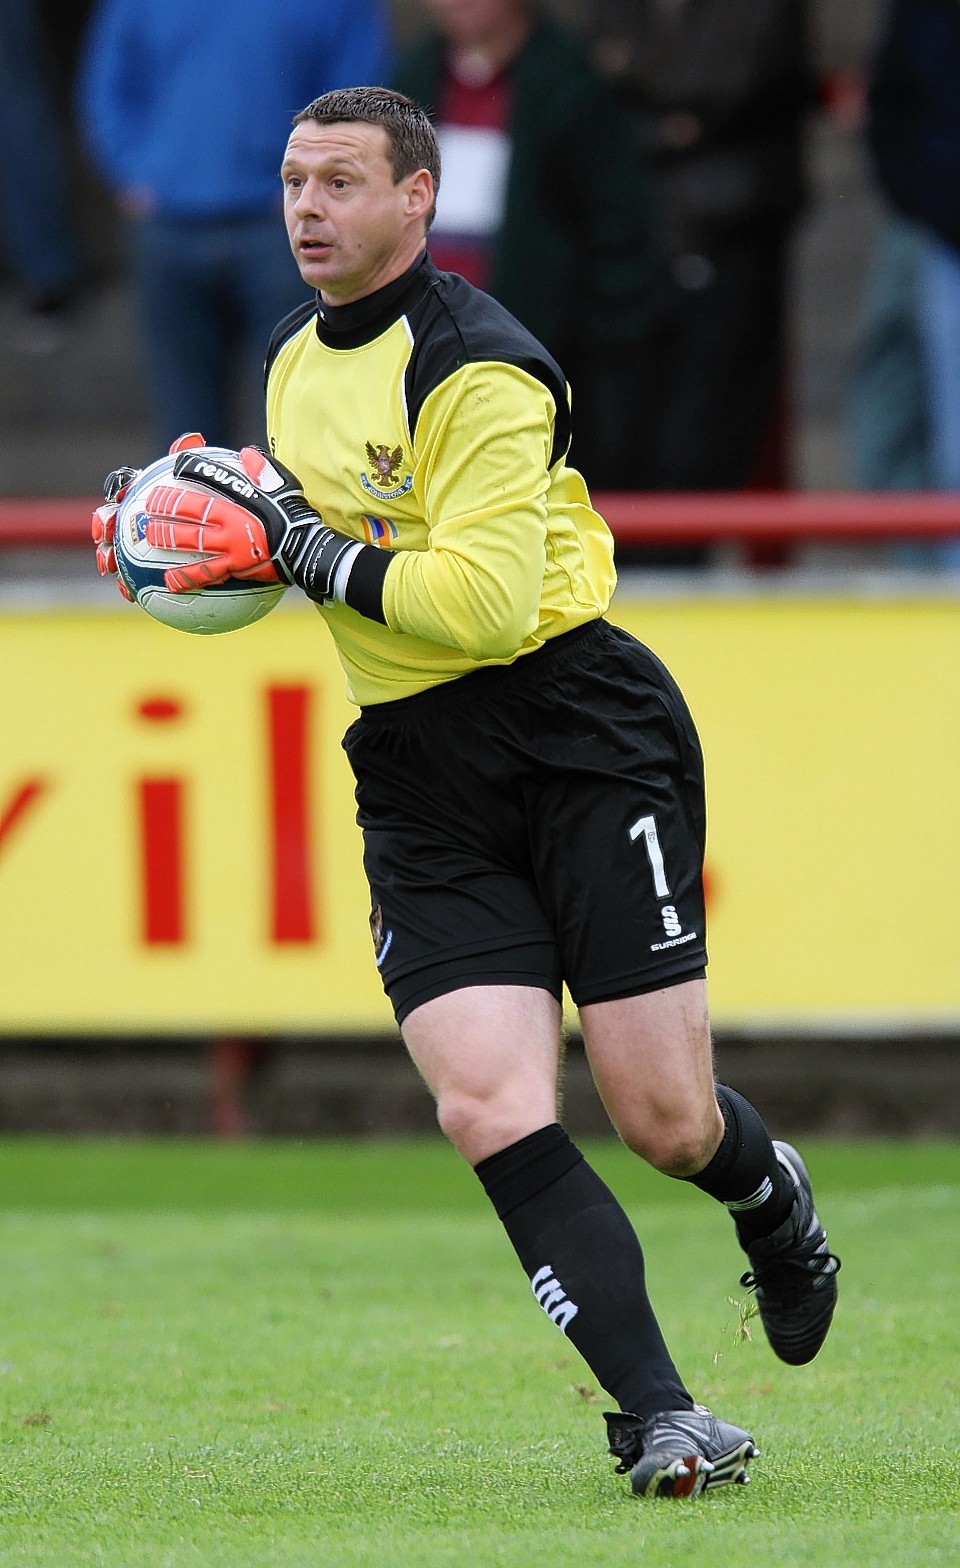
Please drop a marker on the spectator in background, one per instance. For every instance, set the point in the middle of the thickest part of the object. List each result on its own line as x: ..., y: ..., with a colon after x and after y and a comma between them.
x: 890, y: 435
x: 913, y: 135
x: 186, y: 106
x: 546, y: 205
x: 719, y: 91
x: 35, y: 207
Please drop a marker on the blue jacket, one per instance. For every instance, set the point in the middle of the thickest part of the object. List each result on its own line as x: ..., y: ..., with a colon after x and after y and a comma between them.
x: 191, y: 101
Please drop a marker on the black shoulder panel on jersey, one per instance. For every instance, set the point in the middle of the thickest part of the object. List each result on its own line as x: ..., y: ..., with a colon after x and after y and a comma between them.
x: 286, y: 329
x: 454, y: 324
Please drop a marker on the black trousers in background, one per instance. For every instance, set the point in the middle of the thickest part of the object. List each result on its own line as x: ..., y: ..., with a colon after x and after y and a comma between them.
x: 720, y: 362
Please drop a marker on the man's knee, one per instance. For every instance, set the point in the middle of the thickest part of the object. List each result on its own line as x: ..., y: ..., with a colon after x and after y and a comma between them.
x: 462, y: 1115
x: 480, y: 1123
x: 678, y: 1142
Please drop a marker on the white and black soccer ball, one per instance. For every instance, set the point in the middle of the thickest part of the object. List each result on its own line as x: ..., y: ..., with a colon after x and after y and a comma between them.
x: 223, y: 607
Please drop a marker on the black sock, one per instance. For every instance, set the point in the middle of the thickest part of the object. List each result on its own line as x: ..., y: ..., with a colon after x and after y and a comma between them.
x: 585, y: 1266
x: 745, y: 1174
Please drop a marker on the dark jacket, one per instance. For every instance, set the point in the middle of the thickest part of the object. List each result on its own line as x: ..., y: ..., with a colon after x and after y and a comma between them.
x: 577, y: 255
x: 913, y: 122
x: 740, y: 72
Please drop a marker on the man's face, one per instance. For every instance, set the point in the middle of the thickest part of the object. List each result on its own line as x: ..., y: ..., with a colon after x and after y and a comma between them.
x: 467, y: 23
x: 351, y: 229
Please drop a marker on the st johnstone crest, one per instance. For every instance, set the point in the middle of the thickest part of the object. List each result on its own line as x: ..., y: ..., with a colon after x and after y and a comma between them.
x: 382, y: 478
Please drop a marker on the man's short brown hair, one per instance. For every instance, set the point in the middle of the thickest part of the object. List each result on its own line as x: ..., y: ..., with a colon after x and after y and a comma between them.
x: 412, y: 139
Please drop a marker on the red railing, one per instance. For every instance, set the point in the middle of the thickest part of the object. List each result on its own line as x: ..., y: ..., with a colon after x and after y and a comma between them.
x: 778, y: 518
x: 775, y: 518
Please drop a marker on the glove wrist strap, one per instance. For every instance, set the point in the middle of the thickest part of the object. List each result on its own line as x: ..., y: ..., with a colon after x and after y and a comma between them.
x: 329, y: 567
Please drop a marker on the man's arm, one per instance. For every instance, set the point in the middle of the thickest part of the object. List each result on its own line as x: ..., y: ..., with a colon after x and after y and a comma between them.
x: 114, y: 92
x: 484, y: 439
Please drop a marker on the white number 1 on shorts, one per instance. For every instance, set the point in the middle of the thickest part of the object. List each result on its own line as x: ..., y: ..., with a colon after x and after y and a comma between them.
x: 648, y: 827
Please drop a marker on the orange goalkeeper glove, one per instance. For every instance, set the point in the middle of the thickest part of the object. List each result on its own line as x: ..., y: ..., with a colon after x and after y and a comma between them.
x: 103, y: 523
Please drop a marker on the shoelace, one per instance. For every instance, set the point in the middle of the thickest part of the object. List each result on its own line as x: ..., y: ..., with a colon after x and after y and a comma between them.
x: 807, y: 1256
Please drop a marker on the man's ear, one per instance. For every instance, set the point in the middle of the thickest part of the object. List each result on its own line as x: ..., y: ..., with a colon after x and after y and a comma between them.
x: 420, y: 193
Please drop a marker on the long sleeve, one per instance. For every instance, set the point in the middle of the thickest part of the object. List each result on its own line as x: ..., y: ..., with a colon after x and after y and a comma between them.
x: 485, y: 437
x: 113, y: 93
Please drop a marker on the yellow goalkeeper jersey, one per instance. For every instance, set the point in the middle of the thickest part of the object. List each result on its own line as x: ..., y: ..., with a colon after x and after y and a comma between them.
x: 425, y: 420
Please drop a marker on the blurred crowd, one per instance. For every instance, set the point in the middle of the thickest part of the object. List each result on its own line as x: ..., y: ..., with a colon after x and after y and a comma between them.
x: 627, y: 176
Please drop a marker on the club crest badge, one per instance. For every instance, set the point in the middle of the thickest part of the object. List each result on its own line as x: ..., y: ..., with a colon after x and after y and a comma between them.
x: 382, y: 479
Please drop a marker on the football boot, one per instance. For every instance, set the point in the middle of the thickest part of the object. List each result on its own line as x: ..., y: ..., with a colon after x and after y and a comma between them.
x: 678, y: 1453
x: 793, y: 1273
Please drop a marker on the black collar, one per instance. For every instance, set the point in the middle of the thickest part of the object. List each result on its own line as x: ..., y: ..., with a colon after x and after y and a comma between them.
x: 350, y: 326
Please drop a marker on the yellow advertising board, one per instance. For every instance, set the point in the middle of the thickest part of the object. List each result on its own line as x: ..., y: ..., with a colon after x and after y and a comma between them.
x: 178, y: 850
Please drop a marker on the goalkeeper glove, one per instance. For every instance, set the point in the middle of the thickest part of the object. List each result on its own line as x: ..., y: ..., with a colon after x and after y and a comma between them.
x: 104, y: 520
x: 103, y: 523
x: 257, y: 523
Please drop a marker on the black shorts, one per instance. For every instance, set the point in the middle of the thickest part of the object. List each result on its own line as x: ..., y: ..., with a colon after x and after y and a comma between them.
x: 534, y: 824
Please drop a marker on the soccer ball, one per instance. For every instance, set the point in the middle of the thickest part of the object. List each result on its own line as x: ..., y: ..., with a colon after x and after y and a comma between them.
x: 223, y: 607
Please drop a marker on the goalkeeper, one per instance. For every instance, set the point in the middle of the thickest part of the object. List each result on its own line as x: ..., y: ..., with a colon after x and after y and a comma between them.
x: 529, y: 779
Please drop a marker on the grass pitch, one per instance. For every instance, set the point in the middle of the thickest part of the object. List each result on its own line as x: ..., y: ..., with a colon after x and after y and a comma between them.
x: 215, y: 1356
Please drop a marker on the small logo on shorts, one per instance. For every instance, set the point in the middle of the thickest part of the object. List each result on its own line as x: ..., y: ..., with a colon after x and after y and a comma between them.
x: 382, y: 938
x: 671, y: 920
x: 673, y: 941
x: 673, y: 930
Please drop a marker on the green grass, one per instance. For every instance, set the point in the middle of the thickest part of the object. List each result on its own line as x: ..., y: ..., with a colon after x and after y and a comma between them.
x: 215, y: 1356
